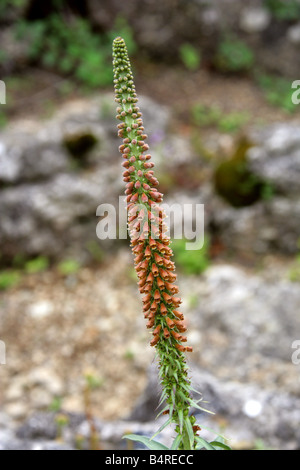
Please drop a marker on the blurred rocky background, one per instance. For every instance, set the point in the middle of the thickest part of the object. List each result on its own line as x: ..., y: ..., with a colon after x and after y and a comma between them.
x: 215, y: 85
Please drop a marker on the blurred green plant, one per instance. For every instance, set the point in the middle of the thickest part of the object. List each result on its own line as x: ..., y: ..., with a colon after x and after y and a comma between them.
x: 37, y: 265
x: 232, y: 122
x: 71, y: 47
x: 129, y: 355
x: 207, y: 116
x: 234, y: 55
x: 193, y: 301
x: 3, y: 119
x: 61, y: 421
x: 56, y: 405
x: 285, y: 10
x: 95, y: 251
x: 294, y: 274
x: 9, y: 278
x: 191, y: 262
x: 277, y: 91
x: 267, y: 191
x: 190, y: 56
x: 235, y: 181
x: 68, y: 267
x: 92, y: 382
x: 3, y: 56
x: 6, y: 5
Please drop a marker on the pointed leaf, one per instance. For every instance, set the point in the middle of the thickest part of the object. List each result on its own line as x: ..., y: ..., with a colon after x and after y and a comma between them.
x: 186, y: 442
x: 180, y: 419
x: 176, y: 442
x: 195, y: 390
x: 214, y: 432
x: 220, y: 444
x: 195, y: 405
x: 162, y: 398
x: 163, y: 426
x: 161, y: 412
x: 203, y: 443
x: 190, y: 432
x: 152, y: 445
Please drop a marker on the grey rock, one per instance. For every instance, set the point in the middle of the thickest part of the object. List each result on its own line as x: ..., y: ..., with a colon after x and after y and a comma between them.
x: 271, y: 224
x: 250, y: 412
x: 39, y: 426
x: 268, y: 226
x: 256, y: 316
x: 21, y: 161
x: 293, y: 34
x: 8, y: 441
x: 47, y: 214
x: 48, y: 205
x: 254, y: 20
x: 276, y: 156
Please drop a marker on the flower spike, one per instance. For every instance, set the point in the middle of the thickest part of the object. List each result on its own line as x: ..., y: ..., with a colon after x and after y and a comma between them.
x: 152, y: 251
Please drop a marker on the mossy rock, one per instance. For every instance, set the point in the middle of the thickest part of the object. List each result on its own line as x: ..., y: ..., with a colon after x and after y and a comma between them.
x: 234, y: 180
x: 79, y: 147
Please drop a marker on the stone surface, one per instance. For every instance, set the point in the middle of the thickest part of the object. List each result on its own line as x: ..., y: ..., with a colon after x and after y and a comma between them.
x: 48, y: 197
x: 270, y: 226
x: 241, y: 324
x: 254, y: 20
x: 255, y: 314
x: 272, y: 223
x: 293, y: 34
x: 275, y: 156
x: 245, y: 414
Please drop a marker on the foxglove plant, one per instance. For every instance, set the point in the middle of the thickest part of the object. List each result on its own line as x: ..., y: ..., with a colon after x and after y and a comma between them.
x: 155, y: 269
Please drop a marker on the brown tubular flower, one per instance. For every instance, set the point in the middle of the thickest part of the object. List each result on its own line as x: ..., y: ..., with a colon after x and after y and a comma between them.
x: 151, y: 249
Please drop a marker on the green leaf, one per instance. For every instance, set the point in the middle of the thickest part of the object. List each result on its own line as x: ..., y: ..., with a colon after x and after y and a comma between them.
x: 176, y: 442
x: 152, y: 445
x: 195, y: 390
x: 162, y: 398
x: 161, y: 411
x: 180, y: 418
x: 163, y: 426
x: 172, y: 395
x: 171, y: 409
x: 186, y: 441
x: 214, y: 432
x: 183, y: 397
x: 190, y: 432
x: 203, y: 443
x: 220, y: 444
x: 195, y: 404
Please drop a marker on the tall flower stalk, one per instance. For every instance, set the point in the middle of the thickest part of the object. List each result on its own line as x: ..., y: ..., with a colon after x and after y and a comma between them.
x: 152, y: 258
